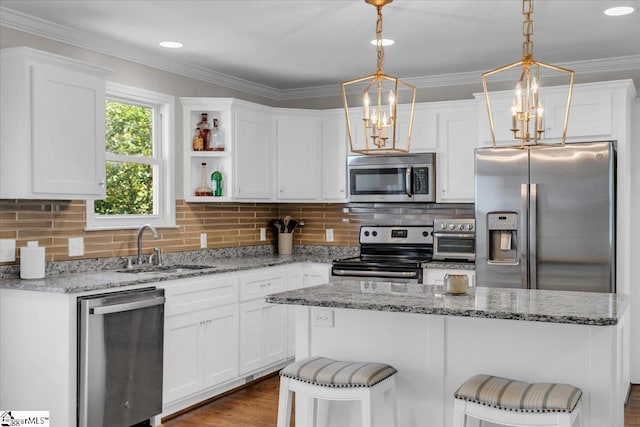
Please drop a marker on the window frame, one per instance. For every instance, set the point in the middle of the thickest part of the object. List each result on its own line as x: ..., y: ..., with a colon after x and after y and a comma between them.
x: 163, y: 161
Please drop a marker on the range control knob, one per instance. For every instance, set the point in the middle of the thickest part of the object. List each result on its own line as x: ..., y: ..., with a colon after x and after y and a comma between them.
x: 374, y: 233
x: 452, y: 226
x: 469, y: 227
x: 366, y: 233
x: 425, y: 233
x: 461, y: 227
x: 443, y: 225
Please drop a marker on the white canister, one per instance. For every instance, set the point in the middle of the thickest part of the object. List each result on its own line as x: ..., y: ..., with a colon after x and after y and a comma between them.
x: 32, y: 261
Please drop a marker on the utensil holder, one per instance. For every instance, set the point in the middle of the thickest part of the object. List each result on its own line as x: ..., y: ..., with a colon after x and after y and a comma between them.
x: 285, y: 243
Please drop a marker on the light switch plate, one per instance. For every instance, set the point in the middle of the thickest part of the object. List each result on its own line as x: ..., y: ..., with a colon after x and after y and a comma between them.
x: 7, y: 250
x: 203, y: 240
x: 263, y: 233
x: 329, y: 234
x: 76, y: 246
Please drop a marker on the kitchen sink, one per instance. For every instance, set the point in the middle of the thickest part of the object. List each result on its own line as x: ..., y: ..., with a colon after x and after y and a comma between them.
x: 176, y: 268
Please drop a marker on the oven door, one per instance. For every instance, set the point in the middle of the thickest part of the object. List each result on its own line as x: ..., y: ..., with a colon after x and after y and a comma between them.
x: 461, y: 246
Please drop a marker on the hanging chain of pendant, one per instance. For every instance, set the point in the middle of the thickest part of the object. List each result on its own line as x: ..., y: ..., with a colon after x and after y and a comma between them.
x: 379, y: 47
x: 527, y: 30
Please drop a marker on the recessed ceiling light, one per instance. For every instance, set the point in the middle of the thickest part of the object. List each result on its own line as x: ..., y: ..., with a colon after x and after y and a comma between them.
x: 619, y: 11
x: 171, y: 45
x: 385, y: 42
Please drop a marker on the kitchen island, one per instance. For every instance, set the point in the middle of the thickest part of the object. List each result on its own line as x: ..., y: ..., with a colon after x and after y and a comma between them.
x: 438, y: 341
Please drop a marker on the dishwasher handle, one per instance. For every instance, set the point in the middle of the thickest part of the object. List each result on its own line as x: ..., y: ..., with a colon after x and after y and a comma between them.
x: 127, y: 306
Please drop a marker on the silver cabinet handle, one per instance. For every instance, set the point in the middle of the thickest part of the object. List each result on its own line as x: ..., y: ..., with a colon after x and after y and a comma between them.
x: 127, y: 306
x: 373, y: 273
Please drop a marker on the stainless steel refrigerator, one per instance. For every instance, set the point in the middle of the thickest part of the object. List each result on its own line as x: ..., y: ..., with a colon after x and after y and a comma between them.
x: 545, y: 217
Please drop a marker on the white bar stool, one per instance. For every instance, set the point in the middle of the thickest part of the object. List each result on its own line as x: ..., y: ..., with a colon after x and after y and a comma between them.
x: 517, y: 403
x: 328, y: 379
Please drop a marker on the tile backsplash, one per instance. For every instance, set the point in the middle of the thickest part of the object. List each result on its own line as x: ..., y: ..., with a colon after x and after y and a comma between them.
x: 52, y: 223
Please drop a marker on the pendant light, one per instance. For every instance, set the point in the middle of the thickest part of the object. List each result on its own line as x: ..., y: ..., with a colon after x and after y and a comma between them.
x: 379, y: 97
x: 527, y: 106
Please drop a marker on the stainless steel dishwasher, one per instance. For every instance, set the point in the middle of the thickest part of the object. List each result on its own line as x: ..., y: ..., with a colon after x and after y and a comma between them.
x: 120, y: 339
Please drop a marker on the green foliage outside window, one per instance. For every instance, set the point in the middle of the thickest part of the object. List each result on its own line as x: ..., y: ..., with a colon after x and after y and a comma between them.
x: 129, y: 184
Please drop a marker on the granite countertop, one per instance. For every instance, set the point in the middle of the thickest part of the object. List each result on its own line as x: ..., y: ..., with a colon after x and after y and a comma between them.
x: 70, y: 279
x: 581, y: 308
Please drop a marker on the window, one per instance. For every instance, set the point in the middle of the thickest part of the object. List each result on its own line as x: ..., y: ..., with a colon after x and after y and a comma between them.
x: 139, y: 159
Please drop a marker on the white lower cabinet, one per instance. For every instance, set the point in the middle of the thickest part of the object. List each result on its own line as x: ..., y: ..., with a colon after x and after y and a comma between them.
x: 263, y: 326
x: 201, y: 335
x: 433, y: 276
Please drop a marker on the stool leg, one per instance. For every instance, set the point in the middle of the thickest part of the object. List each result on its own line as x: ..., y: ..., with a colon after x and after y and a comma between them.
x: 367, y: 409
x: 284, y: 403
x: 394, y: 404
x: 459, y: 415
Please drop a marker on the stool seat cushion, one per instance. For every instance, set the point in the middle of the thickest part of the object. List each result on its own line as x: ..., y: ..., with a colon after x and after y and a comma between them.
x: 520, y: 396
x: 335, y: 373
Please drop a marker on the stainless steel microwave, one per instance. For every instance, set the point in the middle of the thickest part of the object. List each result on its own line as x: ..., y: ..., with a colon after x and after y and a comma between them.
x: 392, y: 178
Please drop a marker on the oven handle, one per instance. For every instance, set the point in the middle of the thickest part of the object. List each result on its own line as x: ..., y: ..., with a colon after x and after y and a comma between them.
x: 368, y: 273
x: 456, y: 235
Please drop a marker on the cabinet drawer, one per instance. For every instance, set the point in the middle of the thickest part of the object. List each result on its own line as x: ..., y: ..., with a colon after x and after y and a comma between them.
x: 264, y: 282
x: 188, y: 295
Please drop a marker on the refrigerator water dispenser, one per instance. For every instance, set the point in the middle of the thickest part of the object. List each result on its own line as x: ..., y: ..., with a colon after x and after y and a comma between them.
x: 503, y: 237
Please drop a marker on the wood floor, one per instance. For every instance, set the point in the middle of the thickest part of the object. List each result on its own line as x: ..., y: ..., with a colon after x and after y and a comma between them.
x: 257, y: 406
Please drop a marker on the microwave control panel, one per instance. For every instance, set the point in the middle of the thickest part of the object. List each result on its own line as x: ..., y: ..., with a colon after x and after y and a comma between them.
x: 420, y: 180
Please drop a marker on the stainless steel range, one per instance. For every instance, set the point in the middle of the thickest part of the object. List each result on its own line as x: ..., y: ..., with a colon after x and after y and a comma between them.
x: 397, y: 253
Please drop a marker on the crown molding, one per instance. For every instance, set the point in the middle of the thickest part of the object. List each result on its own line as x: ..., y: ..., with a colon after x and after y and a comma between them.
x: 29, y: 24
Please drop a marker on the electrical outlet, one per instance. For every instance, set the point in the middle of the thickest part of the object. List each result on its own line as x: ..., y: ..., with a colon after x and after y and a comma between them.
x: 329, y: 234
x: 263, y: 233
x: 76, y: 246
x: 322, y: 317
x: 7, y: 250
x: 203, y: 240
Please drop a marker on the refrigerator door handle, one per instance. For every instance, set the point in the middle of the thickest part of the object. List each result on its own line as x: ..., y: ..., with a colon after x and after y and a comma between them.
x: 524, y: 244
x: 533, y: 233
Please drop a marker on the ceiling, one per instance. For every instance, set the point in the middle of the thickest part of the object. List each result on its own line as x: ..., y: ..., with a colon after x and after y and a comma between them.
x: 298, y: 46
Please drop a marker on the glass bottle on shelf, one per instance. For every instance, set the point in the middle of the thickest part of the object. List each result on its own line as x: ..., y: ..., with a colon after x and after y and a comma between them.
x: 205, y: 131
x: 217, y: 137
x: 203, y: 189
x: 198, y: 143
x: 216, y: 182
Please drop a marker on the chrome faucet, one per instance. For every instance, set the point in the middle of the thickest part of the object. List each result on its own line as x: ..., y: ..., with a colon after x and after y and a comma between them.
x: 140, y: 231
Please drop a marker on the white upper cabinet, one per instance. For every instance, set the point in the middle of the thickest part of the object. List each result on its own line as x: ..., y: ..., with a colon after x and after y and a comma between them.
x: 298, y: 152
x: 334, y: 147
x: 52, y: 127
x: 590, y: 114
x: 457, y: 140
x: 255, y: 154
x: 424, y: 134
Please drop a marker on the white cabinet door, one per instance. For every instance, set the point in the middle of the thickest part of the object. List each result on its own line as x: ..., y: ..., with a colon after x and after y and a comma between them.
x: 457, y: 135
x: 254, y: 155
x: 334, y: 148
x: 424, y: 135
x: 294, y: 281
x: 274, y: 332
x: 589, y: 115
x: 298, y: 149
x: 251, y: 356
x: 181, y: 357
x: 52, y: 143
x: 316, y: 274
x: 218, y: 342
x: 201, y: 335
